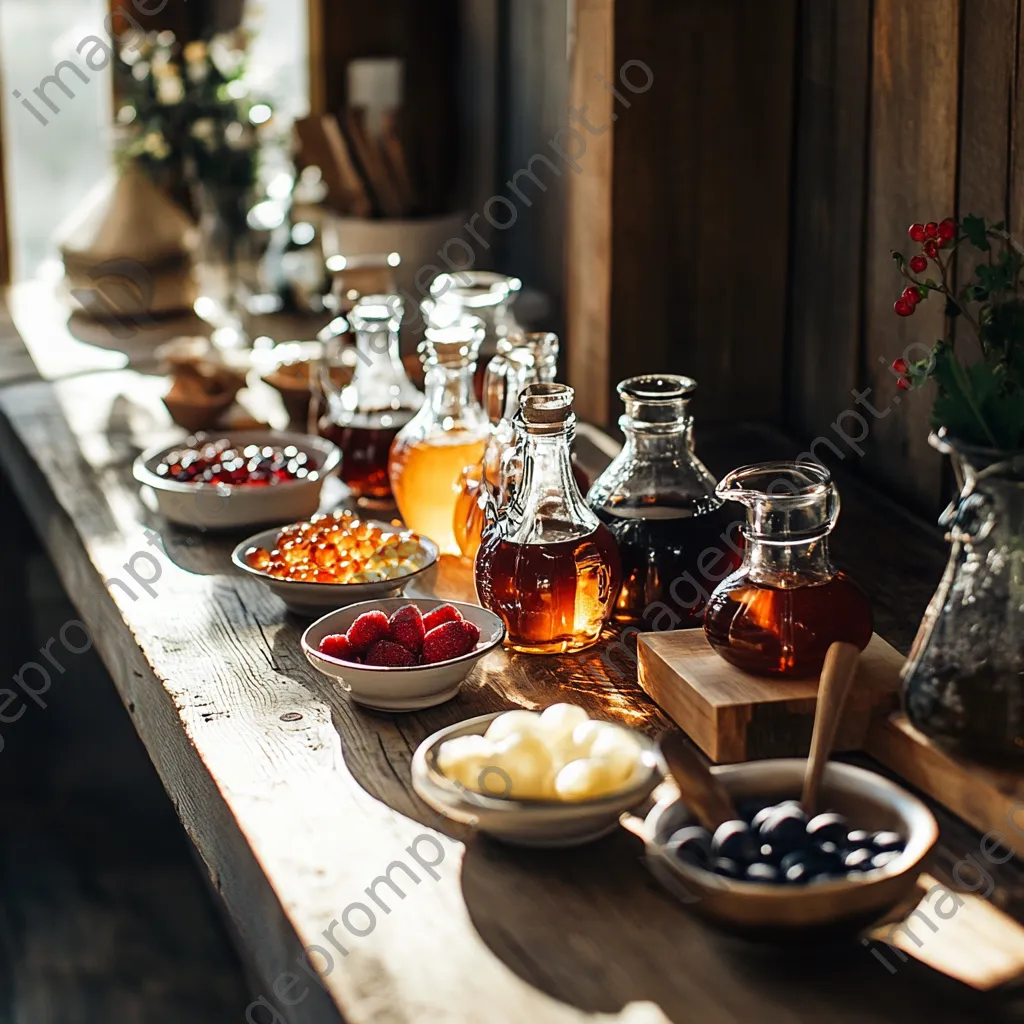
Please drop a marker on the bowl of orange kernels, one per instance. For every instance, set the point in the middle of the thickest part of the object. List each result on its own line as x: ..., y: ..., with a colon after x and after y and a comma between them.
x: 335, y: 559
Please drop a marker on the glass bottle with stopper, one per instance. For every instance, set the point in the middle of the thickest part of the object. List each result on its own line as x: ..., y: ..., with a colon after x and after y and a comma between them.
x: 446, y: 435
x: 675, y: 538
x: 364, y: 417
x: 547, y: 565
x: 521, y: 360
x: 787, y: 603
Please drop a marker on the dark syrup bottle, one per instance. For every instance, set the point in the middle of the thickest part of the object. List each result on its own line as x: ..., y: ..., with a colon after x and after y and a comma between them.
x: 547, y: 566
x: 779, y: 613
x: 676, y: 541
x: 364, y: 417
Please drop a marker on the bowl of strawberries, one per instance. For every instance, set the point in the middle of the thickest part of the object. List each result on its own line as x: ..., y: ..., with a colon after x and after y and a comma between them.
x: 400, y: 654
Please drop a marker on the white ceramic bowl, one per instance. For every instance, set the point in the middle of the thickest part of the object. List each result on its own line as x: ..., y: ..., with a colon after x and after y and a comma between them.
x: 544, y: 823
x: 761, y: 910
x: 408, y: 688
x: 223, y: 507
x: 312, y: 599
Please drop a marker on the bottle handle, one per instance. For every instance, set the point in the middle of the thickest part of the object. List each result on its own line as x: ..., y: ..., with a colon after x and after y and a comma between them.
x: 496, y: 384
x: 332, y: 339
x: 969, y: 519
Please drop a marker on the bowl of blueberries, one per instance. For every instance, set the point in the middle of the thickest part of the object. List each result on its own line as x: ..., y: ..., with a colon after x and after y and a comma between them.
x: 773, y: 872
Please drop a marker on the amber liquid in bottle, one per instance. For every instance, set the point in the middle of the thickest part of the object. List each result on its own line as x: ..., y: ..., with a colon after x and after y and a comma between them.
x: 670, y: 556
x: 553, y: 597
x: 365, y: 443
x: 425, y: 475
x: 770, y: 630
x: 471, y: 507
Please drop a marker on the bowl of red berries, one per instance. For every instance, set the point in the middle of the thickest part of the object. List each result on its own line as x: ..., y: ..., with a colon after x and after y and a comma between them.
x: 400, y: 654
x: 244, y: 478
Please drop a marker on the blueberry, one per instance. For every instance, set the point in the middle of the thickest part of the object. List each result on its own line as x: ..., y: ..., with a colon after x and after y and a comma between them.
x: 785, y: 830
x: 799, y: 873
x: 859, y: 859
x: 858, y: 838
x: 761, y: 872
x: 883, y: 842
x: 828, y: 828
x: 692, y: 844
x: 767, y: 811
x: 886, y: 857
x: 727, y: 867
x: 733, y: 840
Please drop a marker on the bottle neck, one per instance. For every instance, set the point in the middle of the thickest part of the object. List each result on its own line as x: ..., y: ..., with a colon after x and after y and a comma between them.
x: 546, y: 504
x: 451, y: 395
x: 788, y: 565
x: 664, y: 441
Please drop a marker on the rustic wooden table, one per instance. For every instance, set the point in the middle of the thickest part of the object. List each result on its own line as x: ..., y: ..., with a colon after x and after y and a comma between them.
x: 299, y: 801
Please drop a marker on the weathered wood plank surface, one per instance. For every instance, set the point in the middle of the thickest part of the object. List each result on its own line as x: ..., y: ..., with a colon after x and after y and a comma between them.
x: 297, y: 800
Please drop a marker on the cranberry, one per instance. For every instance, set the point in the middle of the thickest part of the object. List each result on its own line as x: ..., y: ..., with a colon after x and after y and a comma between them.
x: 916, y: 232
x: 903, y: 308
x: 912, y: 294
x: 931, y: 249
x: 900, y: 365
x: 931, y: 230
x: 903, y: 383
x: 918, y: 264
x: 947, y: 229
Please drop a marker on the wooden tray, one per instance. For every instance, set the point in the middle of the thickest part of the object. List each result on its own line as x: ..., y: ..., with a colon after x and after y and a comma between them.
x: 987, y: 798
x: 734, y: 716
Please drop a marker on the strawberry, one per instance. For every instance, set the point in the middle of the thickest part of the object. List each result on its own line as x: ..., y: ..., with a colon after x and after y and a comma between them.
x: 391, y: 654
x: 442, y: 613
x: 337, y: 646
x: 449, y: 640
x: 367, y: 630
x: 407, y: 627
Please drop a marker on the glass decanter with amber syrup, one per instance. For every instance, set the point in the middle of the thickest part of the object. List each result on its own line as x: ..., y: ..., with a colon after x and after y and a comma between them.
x: 675, y: 537
x: 780, y: 611
x: 364, y: 417
x: 521, y: 360
x: 547, y: 566
x: 446, y: 435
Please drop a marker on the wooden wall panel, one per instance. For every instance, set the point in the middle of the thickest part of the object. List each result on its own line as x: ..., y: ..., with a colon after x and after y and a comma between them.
x: 914, y: 118
x: 589, y: 224
x: 535, y: 97
x: 829, y: 193
x: 988, y: 74
x: 701, y: 199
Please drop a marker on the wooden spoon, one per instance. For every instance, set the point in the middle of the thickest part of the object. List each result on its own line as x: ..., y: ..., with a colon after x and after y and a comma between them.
x: 836, y: 679
x: 701, y: 791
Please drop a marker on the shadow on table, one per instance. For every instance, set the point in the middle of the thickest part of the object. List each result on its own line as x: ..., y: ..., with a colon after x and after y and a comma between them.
x: 590, y: 927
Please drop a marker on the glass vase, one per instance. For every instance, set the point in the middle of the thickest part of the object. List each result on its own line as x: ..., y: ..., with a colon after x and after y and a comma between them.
x: 963, y: 684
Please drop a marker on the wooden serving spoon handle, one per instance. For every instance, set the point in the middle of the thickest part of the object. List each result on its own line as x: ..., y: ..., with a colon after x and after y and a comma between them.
x: 701, y: 791
x: 836, y: 680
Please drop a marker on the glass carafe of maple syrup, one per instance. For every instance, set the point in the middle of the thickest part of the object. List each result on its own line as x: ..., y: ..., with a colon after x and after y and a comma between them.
x: 676, y: 539
x: 446, y: 435
x: 364, y: 417
x: 547, y: 565
x: 780, y: 611
x: 521, y: 360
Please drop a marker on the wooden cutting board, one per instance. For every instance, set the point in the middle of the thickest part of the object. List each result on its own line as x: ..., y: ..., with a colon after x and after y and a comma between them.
x: 735, y: 716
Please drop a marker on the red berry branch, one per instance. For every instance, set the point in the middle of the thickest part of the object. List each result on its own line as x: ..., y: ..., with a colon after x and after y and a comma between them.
x: 981, y: 402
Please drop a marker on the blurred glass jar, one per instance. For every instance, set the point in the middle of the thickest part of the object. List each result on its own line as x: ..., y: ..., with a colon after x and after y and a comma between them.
x: 963, y: 684
x: 364, y: 417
